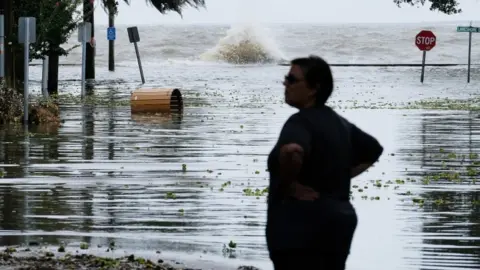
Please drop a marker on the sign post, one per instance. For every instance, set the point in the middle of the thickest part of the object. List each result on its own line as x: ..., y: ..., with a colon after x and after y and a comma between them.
x: 134, y: 37
x: 425, y: 41
x: 45, y: 77
x: 84, y: 36
x: 27, y: 33
x: 469, y: 30
x: 111, y: 36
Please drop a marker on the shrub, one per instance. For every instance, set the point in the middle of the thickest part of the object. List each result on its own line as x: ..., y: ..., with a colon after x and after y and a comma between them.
x: 11, y: 108
x: 11, y: 104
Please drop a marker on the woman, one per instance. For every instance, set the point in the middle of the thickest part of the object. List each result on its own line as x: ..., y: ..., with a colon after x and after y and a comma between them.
x: 311, y: 222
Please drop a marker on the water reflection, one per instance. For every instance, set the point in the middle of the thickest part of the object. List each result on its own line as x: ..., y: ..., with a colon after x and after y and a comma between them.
x: 167, y: 121
x: 88, y: 131
x: 14, y: 149
x: 108, y: 176
x: 448, y: 155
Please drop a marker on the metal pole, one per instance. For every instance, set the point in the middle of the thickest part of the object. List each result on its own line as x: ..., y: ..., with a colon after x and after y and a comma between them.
x: 26, y: 64
x: 469, y: 55
x: 84, y: 58
x: 2, y: 46
x: 111, y: 43
x: 45, y: 77
x: 139, y: 62
x: 111, y: 55
x: 423, y: 66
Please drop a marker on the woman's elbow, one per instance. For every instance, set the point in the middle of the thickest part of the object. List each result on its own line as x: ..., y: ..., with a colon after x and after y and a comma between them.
x: 377, y: 153
x: 373, y: 153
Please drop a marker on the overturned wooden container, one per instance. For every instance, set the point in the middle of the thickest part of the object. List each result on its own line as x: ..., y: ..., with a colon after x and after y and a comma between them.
x: 156, y: 100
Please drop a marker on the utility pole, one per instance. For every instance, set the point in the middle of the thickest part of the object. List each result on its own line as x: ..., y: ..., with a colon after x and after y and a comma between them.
x: 88, y: 16
x: 7, y: 7
x: 111, y: 43
x: 2, y: 40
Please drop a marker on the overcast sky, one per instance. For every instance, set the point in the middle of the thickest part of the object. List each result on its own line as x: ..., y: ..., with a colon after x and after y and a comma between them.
x: 288, y: 11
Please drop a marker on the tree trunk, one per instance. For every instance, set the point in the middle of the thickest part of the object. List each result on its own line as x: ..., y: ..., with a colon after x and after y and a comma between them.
x: 111, y: 44
x: 53, y: 62
x: 3, y: 4
x: 8, y: 5
x: 88, y: 15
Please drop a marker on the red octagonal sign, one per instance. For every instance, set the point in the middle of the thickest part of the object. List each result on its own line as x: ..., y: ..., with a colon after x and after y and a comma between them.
x: 425, y: 40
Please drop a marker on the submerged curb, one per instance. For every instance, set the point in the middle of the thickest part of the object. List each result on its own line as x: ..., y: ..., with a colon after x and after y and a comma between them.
x: 49, y: 261
x: 17, y: 258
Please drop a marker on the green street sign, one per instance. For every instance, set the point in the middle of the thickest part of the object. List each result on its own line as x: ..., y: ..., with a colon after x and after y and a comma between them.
x: 468, y: 29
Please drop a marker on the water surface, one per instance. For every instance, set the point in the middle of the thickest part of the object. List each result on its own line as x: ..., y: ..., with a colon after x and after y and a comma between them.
x: 184, y: 185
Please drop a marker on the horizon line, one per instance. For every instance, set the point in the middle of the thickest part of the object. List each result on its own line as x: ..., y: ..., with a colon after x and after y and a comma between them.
x: 297, y: 23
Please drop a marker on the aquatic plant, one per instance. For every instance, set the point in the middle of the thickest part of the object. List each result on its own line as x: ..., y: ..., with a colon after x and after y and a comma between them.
x: 229, y: 250
x: 170, y: 195
x: 256, y: 193
x: 84, y: 245
x: 453, y: 168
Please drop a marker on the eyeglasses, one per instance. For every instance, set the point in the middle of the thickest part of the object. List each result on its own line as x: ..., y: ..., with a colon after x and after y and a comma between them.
x: 290, y: 79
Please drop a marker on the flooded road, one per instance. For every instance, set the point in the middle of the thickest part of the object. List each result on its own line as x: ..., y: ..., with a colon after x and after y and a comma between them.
x: 189, y: 185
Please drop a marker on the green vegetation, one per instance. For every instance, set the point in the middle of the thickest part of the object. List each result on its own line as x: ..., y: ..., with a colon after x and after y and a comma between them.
x: 40, y: 111
x: 444, y: 6
x: 452, y: 169
x: 56, y: 22
x: 47, y: 260
x: 229, y: 250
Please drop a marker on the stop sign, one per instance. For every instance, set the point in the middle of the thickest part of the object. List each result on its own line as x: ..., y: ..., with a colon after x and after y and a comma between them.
x: 425, y: 40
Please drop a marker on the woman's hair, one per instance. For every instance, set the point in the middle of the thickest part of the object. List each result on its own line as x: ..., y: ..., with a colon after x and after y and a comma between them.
x: 318, y: 75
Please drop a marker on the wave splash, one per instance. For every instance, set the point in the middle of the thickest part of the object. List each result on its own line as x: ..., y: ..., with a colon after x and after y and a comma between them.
x: 245, y: 44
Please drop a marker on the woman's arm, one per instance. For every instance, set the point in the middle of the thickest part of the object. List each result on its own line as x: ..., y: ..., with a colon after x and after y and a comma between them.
x: 366, y: 151
x: 295, y: 143
x: 359, y: 169
x: 291, y: 161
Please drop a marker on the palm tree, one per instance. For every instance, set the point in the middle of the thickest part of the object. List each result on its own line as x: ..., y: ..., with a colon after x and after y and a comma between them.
x: 163, y: 6
x: 444, y: 6
x: 110, y: 6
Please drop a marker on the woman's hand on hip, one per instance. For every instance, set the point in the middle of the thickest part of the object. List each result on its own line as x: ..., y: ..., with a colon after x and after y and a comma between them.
x: 303, y: 193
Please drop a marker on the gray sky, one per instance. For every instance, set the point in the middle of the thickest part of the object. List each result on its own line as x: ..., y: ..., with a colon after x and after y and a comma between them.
x: 287, y: 11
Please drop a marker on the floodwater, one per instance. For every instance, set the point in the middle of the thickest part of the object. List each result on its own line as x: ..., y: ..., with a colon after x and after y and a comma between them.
x: 186, y: 186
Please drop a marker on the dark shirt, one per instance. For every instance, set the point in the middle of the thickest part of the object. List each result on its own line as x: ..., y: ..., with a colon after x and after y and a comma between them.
x: 332, y: 147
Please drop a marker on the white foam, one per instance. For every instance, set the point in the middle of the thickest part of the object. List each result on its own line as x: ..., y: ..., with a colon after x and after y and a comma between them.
x: 245, y: 43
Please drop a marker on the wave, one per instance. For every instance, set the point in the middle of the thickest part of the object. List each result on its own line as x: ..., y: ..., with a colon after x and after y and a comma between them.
x: 245, y: 44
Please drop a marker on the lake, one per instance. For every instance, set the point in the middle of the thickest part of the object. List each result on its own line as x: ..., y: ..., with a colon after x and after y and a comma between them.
x: 187, y: 186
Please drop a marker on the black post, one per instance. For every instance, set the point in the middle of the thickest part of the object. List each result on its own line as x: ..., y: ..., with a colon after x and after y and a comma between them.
x: 111, y: 43
x: 88, y: 16
x: 52, y: 85
x: 9, y: 53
